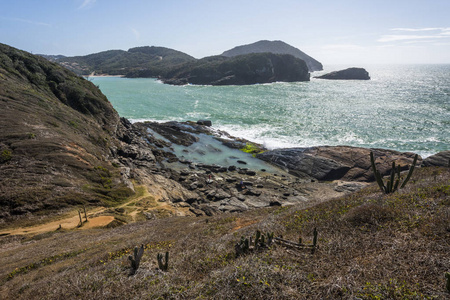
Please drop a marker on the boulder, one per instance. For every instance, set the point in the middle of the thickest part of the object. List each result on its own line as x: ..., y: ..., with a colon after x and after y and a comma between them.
x: 173, y: 131
x: 347, y: 74
x: 336, y: 162
x: 204, y: 123
x: 441, y: 159
x: 233, y: 205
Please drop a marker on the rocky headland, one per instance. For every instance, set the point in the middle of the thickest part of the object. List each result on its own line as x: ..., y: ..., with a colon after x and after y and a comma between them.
x: 63, y: 145
x: 240, y: 70
x: 69, y: 163
x: 161, y: 62
x: 347, y: 74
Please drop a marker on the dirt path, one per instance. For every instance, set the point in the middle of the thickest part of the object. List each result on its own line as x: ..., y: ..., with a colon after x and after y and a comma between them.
x: 65, y: 223
x: 95, y: 219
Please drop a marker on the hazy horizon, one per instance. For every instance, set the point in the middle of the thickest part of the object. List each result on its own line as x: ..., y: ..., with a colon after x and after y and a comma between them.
x: 333, y: 32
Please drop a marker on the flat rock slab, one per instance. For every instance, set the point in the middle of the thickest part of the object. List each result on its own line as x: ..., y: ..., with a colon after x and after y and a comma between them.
x: 441, y: 159
x: 328, y: 163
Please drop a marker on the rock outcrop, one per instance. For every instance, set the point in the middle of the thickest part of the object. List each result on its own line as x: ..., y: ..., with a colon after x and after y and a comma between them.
x: 347, y: 74
x: 441, y: 159
x: 241, y: 70
x: 336, y: 163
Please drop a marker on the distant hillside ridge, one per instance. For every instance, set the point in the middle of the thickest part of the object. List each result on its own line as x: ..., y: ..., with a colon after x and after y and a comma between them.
x: 277, y: 47
x: 151, y: 60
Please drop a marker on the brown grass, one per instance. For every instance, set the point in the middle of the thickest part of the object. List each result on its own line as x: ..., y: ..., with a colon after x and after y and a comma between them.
x: 371, y: 246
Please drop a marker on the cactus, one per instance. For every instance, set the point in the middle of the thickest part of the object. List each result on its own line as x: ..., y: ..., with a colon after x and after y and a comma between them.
x: 269, y: 238
x: 447, y: 286
x: 261, y: 241
x: 392, y: 184
x: 135, y: 261
x: 163, y: 265
x: 411, y: 169
x: 257, y: 239
x: 314, y: 245
x: 81, y: 220
x: 243, y: 246
x: 85, y: 214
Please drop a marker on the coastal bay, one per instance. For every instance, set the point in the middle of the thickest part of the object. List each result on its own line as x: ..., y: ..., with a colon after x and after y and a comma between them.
x: 403, y: 108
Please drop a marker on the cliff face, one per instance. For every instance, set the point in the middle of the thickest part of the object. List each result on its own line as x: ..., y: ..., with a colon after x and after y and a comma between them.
x: 277, y: 47
x: 241, y: 70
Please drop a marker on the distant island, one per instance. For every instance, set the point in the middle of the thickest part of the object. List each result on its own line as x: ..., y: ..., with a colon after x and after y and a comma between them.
x: 347, y: 74
x: 260, y: 62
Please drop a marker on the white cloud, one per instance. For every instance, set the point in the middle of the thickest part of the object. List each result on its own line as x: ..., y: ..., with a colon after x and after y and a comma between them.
x: 136, y: 33
x: 87, y: 4
x: 417, y: 29
x: 432, y: 33
x: 26, y: 21
x: 395, y: 38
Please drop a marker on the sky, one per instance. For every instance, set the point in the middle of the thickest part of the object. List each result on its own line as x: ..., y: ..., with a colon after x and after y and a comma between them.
x: 352, y: 32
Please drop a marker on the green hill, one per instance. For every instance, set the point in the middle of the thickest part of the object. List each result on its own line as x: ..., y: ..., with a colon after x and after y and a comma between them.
x: 277, y: 47
x: 150, y: 61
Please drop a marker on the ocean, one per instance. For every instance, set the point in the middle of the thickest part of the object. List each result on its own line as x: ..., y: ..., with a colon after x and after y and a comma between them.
x: 402, y: 107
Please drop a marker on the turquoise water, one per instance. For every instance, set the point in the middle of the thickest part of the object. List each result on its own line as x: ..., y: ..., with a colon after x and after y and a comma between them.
x: 404, y: 107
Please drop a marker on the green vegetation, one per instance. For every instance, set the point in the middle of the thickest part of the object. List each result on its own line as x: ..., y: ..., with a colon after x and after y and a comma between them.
x: 136, y: 62
x: 392, y: 184
x: 252, y: 149
x: 5, y: 155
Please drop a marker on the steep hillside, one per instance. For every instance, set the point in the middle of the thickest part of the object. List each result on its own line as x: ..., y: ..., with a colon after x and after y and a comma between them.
x: 136, y: 62
x: 240, y: 70
x: 277, y: 47
x: 56, y: 130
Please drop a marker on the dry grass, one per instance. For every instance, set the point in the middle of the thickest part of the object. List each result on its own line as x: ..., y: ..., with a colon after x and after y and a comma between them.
x: 371, y: 246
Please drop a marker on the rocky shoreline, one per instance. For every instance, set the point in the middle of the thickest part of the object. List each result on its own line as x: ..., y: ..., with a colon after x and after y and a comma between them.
x: 295, y: 175
x: 74, y: 150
